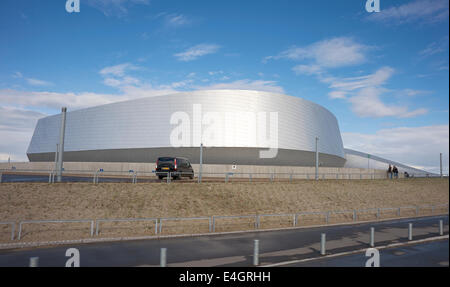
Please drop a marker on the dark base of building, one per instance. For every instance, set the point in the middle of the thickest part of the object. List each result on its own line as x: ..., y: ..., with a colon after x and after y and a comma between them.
x: 211, y: 155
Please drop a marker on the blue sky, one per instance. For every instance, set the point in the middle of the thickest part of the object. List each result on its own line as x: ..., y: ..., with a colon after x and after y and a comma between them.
x: 384, y: 75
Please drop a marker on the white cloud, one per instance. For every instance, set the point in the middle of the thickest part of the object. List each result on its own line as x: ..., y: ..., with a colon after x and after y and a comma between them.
x: 329, y: 53
x: 434, y: 48
x: 176, y: 20
x: 36, y: 82
x: 426, y: 11
x: 307, y: 69
x: 197, y: 51
x: 16, y: 129
x: 367, y: 103
x: 117, y: 8
x: 55, y: 100
x: 118, y: 70
x: 17, y: 75
x: 415, y: 146
x: 364, y: 94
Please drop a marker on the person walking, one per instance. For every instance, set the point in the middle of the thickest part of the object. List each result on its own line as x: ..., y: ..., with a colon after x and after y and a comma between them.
x: 395, y: 170
x: 389, y: 172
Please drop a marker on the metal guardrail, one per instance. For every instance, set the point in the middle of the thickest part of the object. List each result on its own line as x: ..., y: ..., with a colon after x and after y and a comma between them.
x: 13, y: 227
x: 212, y: 220
x: 55, y: 221
x: 125, y: 220
x: 132, y: 175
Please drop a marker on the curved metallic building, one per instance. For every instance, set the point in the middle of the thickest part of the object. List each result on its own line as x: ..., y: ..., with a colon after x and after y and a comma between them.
x: 235, y: 125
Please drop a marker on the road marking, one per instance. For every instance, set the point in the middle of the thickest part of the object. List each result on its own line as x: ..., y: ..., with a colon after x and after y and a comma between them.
x: 357, y: 251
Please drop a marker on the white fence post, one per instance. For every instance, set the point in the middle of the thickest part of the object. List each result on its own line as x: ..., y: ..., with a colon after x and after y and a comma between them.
x: 256, y: 253
x: 163, y: 257
x: 34, y: 261
x: 323, y: 244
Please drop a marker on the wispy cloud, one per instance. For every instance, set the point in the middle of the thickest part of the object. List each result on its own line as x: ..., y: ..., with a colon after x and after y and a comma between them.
x: 424, y: 11
x: 116, y: 8
x: 177, y: 20
x: 329, y: 53
x: 364, y: 94
x: 435, y: 47
x: 37, y: 82
x: 197, y: 51
x: 118, y: 70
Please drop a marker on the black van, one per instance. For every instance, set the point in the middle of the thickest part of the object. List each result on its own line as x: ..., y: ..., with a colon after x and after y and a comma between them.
x: 177, y: 166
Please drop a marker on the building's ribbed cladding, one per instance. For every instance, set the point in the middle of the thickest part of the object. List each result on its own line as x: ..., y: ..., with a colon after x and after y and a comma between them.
x: 357, y: 159
x: 144, y: 124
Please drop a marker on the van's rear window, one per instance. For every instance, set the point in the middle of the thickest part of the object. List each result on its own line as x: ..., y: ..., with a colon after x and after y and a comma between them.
x: 165, y: 159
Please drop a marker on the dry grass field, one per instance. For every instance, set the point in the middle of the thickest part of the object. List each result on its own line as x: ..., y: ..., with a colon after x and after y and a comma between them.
x: 38, y: 201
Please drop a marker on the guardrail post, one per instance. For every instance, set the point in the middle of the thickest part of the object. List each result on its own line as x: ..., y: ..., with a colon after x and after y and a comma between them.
x: 256, y: 253
x: 323, y: 244
x: 410, y: 232
x: 441, y: 227
x: 97, y: 228
x: 398, y: 212
x: 156, y: 226
x: 210, y: 224
x: 295, y: 220
x: 13, y: 230
x: 372, y: 237
x: 160, y: 226
x: 354, y: 215
x: 226, y: 177
x: 168, y: 177
x: 213, y: 224
x: 271, y: 177
x: 378, y: 213
x: 327, y: 217
x: 34, y: 262
x: 163, y: 257
x: 92, y: 228
x: 20, y: 231
x: 290, y: 178
x: 257, y: 221
x: 250, y: 177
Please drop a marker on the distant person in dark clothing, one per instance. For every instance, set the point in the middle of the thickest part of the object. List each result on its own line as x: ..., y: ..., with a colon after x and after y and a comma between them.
x: 389, y: 172
x: 395, y: 171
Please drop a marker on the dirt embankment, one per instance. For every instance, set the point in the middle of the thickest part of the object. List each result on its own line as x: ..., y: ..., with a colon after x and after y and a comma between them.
x: 33, y: 201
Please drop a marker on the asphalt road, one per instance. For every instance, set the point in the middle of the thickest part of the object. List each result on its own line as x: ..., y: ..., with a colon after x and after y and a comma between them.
x: 231, y: 249
x: 430, y: 254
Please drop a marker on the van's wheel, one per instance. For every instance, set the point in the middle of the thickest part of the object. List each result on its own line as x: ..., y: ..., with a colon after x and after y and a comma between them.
x: 160, y: 176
